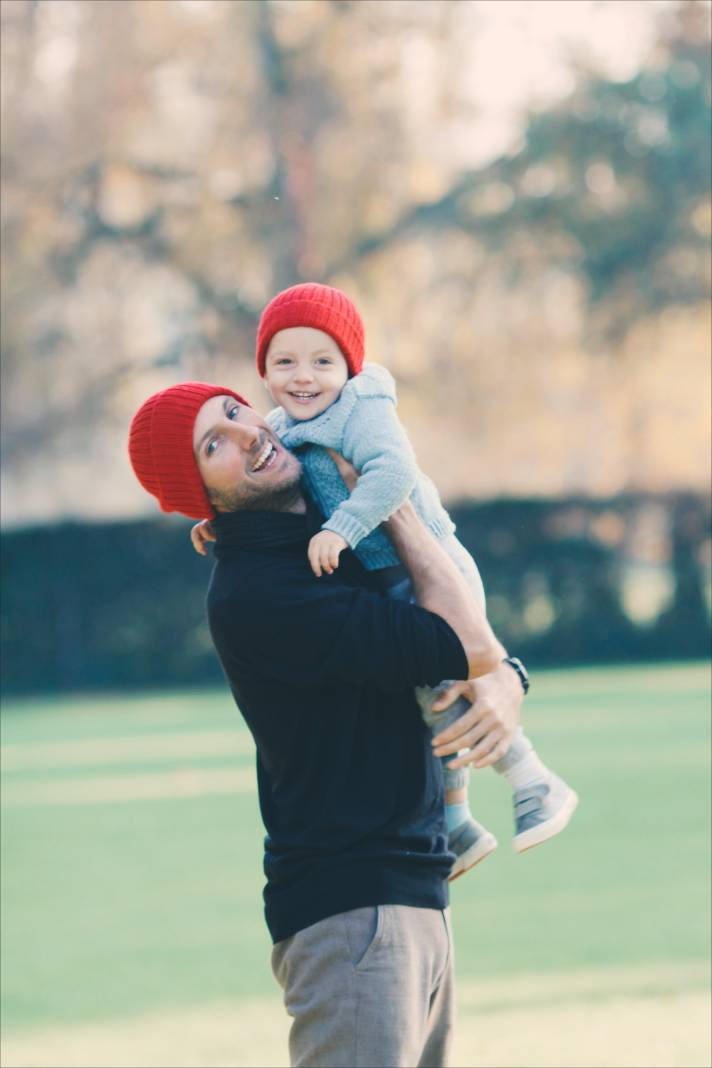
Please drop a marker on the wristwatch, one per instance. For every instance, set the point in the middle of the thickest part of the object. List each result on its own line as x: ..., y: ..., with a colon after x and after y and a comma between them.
x: 516, y: 665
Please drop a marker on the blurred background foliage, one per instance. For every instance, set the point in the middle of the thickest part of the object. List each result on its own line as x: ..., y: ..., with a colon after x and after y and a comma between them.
x: 543, y: 302
x: 574, y: 581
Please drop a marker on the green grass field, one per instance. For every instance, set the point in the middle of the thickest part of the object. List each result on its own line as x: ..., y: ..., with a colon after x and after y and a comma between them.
x: 131, y: 909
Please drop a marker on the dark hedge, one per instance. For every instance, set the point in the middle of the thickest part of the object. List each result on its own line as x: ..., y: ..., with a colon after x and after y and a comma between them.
x: 121, y: 605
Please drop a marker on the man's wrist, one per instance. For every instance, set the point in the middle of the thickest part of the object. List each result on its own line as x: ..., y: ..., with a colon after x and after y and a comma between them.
x: 518, y: 668
x: 404, y: 520
x: 411, y: 537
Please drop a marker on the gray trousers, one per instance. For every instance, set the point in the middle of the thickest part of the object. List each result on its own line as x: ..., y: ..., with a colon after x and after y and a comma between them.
x: 369, y: 988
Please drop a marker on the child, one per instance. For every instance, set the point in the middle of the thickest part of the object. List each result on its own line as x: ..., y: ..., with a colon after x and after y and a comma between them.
x: 310, y: 351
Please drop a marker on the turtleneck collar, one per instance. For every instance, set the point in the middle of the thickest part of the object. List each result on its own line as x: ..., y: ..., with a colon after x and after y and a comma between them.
x: 263, y: 530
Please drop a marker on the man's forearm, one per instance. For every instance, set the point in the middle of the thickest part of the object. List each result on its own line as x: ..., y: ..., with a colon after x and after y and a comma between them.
x: 441, y: 588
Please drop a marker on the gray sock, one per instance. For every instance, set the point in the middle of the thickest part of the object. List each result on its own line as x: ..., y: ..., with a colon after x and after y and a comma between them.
x: 520, y: 765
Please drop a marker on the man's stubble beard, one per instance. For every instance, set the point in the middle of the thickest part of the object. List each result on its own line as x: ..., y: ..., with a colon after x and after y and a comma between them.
x: 285, y: 497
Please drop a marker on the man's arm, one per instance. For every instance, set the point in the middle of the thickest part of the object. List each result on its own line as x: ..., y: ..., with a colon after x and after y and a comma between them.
x: 495, y: 693
x: 486, y: 729
x: 441, y: 588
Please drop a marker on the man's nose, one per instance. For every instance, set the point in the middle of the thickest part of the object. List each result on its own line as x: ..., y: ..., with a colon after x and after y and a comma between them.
x: 247, y: 436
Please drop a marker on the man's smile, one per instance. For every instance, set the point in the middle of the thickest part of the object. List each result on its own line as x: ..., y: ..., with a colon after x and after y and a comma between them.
x: 265, y: 458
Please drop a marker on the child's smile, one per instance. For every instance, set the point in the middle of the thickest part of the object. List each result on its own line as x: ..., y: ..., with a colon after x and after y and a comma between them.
x: 303, y: 398
x: 305, y: 371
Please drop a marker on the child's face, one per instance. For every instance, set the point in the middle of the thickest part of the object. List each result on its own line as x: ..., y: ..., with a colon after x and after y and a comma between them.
x: 305, y: 371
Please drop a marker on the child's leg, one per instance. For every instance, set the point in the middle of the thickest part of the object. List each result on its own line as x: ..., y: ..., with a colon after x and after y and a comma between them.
x: 520, y: 765
x: 543, y: 802
x: 467, y: 839
x: 455, y: 780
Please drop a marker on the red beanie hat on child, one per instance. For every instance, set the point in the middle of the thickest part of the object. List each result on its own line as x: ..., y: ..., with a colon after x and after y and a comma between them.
x: 321, y: 307
x: 161, y: 447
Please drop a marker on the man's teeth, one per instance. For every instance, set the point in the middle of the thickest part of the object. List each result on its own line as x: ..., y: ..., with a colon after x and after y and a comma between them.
x: 264, y: 456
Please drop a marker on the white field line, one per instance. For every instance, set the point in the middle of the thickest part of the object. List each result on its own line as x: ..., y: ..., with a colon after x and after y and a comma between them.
x: 105, y: 789
x: 612, y: 1024
x: 28, y: 756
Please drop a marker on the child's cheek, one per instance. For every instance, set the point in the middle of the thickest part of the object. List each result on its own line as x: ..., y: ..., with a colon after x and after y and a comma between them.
x: 272, y: 387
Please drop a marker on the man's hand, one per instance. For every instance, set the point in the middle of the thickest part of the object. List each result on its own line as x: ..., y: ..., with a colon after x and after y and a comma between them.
x: 346, y: 469
x: 486, y: 729
x: 200, y: 535
x: 324, y: 550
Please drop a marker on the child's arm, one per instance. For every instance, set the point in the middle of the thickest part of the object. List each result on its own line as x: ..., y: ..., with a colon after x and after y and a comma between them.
x: 324, y: 551
x: 376, y: 444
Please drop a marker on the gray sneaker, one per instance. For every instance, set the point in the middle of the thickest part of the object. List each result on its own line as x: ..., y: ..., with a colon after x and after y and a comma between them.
x: 541, y: 811
x: 471, y: 843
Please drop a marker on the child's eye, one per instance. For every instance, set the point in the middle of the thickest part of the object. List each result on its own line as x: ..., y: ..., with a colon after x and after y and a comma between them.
x: 324, y: 359
x: 283, y: 361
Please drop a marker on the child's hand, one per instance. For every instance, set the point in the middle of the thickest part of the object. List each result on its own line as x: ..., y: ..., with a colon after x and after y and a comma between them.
x: 200, y: 535
x: 324, y: 549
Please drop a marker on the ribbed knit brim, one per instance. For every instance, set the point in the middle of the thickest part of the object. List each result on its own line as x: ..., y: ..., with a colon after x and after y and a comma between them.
x: 321, y: 307
x: 161, y: 447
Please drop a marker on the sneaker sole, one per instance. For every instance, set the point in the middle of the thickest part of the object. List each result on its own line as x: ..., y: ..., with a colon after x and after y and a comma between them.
x: 536, y: 835
x: 473, y: 856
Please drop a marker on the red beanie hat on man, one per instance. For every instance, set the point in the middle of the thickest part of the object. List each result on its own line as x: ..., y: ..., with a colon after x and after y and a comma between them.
x: 161, y: 447
x: 321, y: 307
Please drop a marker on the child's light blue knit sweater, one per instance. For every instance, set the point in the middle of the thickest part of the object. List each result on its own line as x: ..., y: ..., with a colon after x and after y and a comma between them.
x: 363, y: 426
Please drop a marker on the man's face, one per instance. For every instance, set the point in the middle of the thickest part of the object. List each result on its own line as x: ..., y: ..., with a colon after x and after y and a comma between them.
x: 241, y: 462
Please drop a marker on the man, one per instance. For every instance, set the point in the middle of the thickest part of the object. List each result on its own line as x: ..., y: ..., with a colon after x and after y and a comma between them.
x: 323, y: 670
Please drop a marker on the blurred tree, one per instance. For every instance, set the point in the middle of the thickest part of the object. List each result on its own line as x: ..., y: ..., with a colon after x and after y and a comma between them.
x: 613, y: 184
x: 169, y: 164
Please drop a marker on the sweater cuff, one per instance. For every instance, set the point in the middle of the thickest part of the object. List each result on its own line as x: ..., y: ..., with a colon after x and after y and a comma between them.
x: 350, y: 529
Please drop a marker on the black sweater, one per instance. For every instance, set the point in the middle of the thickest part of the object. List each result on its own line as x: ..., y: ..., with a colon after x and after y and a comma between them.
x: 323, y: 672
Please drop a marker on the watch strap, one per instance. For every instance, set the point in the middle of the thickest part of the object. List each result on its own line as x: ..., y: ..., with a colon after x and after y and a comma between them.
x: 517, y: 666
